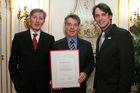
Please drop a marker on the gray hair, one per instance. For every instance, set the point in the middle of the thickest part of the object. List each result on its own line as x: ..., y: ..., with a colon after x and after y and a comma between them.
x: 73, y: 16
x: 38, y: 10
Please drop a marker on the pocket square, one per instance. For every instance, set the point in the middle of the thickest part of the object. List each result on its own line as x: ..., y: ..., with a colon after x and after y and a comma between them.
x: 109, y: 38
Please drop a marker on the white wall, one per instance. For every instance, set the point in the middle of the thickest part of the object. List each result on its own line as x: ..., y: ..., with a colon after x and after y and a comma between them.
x: 59, y: 9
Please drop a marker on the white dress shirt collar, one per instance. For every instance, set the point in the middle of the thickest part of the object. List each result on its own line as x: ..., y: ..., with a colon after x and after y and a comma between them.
x: 38, y: 34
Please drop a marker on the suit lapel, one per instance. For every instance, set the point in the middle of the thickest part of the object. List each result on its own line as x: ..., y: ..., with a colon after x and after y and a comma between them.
x: 28, y: 41
x: 97, y: 45
x: 40, y: 42
x: 65, y: 44
x: 79, y: 43
x: 108, y: 36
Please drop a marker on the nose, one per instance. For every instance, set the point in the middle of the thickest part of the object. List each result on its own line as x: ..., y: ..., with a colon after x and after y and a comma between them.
x: 100, y: 17
x: 72, y: 26
x: 37, y: 19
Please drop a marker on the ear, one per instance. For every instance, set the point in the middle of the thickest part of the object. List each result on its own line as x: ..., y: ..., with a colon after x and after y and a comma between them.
x: 43, y: 22
x: 110, y: 17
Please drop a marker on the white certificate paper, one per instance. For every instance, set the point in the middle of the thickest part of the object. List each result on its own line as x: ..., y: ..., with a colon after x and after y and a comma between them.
x: 65, y: 68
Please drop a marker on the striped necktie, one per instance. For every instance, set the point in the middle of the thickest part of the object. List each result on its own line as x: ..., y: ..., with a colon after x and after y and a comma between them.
x: 72, y: 44
x: 34, y: 41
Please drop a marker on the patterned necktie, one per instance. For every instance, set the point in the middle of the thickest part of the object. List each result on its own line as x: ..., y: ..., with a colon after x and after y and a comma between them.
x: 102, y: 38
x: 34, y: 41
x: 72, y: 44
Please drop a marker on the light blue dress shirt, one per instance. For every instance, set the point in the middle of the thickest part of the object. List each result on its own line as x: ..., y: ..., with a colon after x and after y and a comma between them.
x: 75, y: 42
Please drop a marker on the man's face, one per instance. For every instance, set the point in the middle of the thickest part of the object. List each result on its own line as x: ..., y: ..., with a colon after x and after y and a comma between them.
x: 71, y: 27
x: 102, y: 18
x: 36, y: 21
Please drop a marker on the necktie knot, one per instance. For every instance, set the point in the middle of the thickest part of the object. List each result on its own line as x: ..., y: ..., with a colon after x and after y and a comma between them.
x: 35, y: 41
x: 72, y: 44
x: 72, y: 41
x: 35, y: 34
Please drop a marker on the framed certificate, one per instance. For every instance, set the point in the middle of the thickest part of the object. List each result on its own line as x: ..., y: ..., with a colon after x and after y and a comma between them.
x: 65, y: 68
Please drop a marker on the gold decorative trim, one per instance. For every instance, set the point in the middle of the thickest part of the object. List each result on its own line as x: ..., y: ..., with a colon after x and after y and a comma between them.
x: 49, y: 17
x: 0, y: 16
x: 25, y: 16
x: 39, y: 2
x: 89, y: 29
x: 11, y: 21
x: 11, y: 5
x: 128, y: 14
x: 7, y: 43
x: 118, y: 12
x: 0, y: 3
x: 75, y: 5
x: 86, y: 4
x: 74, y: 8
x: 1, y: 49
x: 94, y: 2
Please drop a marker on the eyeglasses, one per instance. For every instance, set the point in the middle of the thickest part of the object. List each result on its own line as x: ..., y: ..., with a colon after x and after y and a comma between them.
x: 69, y: 24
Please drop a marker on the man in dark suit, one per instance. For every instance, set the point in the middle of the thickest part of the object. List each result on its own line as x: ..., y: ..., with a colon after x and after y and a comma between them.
x: 72, y: 23
x: 114, y: 57
x: 29, y: 62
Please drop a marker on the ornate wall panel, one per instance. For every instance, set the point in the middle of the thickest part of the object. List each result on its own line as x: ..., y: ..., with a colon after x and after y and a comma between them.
x: 0, y: 3
x: 89, y: 30
x: 0, y: 52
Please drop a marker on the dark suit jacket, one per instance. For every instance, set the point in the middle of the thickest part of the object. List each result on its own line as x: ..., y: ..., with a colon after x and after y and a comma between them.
x: 115, y: 62
x: 29, y: 69
x: 86, y: 60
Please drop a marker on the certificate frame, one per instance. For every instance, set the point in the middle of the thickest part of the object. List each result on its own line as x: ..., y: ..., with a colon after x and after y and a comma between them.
x: 65, y: 68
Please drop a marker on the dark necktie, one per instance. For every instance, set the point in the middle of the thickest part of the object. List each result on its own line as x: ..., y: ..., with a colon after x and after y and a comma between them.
x: 34, y: 41
x: 72, y: 44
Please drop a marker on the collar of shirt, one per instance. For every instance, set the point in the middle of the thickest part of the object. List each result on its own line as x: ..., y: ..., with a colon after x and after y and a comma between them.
x: 108, y: 28
x: 75, y: 42
x: 38, y: 34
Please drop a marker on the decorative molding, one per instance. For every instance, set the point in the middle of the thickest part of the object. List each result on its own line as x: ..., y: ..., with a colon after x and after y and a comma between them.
x: 94, y: 2
x: 11, y: 5
x: 89, y: 29
x: 0, y: 3
x: 118, y: 12
x: 39, y: 2
x: 128, y: 14
x: 6, y: 58
x: 1, y: 50
x: 74, y: 8
x: 86, y: 4
x: 11, y: 21
x: 49, y: 16
x: 0, y: 16
x: 25, y: 16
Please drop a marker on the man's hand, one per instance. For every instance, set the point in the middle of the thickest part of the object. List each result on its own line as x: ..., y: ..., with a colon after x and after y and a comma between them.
x: 82, y: 77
